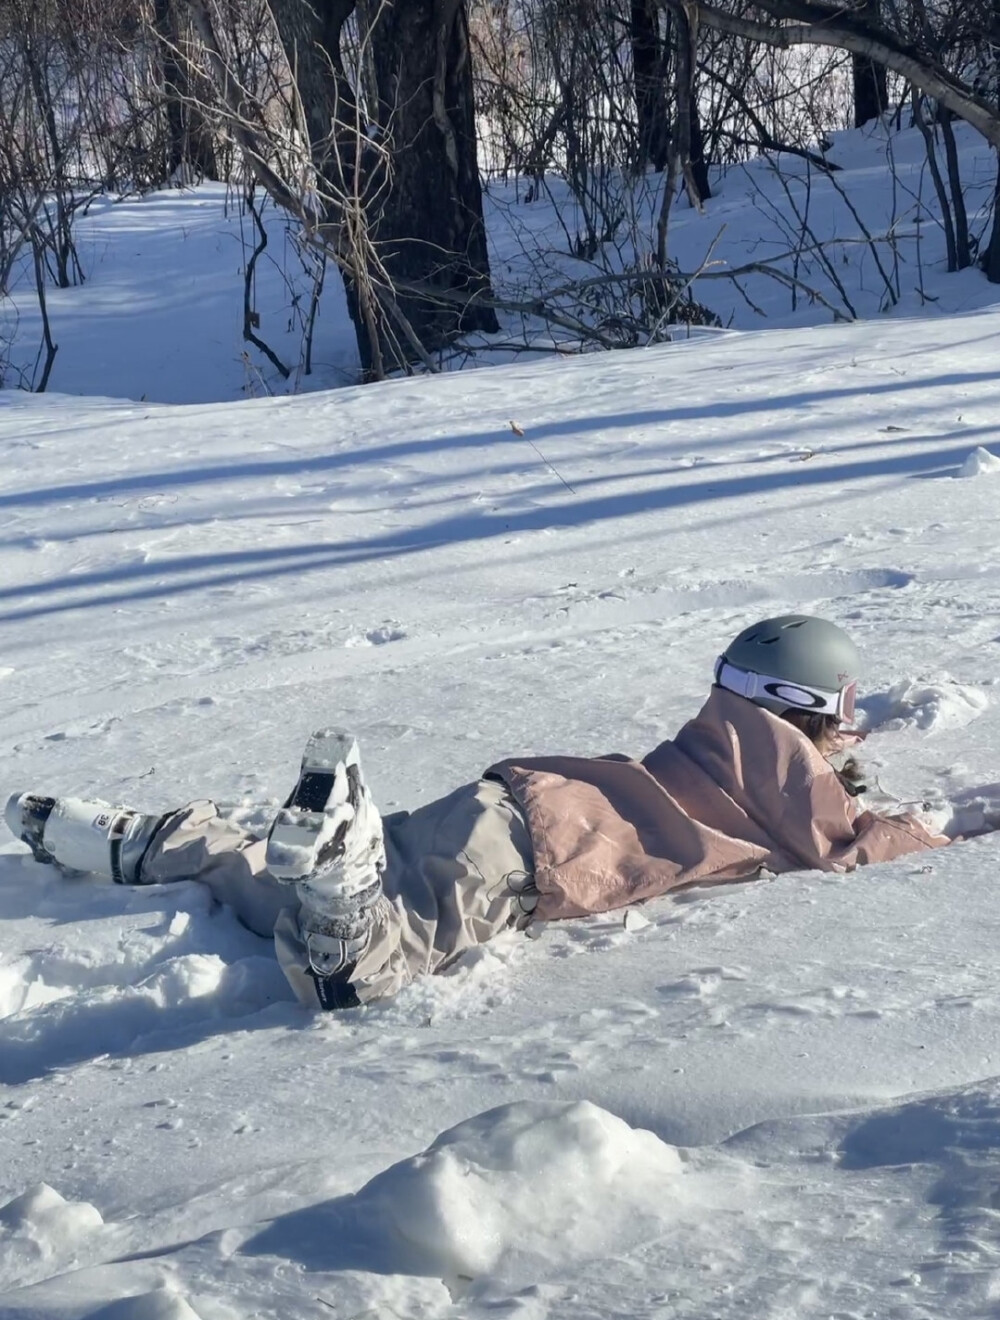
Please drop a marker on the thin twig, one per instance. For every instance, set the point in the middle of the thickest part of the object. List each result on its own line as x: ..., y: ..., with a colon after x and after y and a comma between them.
x: 250, y: 317
x: 51, y: 348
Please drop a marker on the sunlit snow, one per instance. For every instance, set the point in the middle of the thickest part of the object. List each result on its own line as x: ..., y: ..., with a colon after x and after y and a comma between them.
x: 777, y: 1099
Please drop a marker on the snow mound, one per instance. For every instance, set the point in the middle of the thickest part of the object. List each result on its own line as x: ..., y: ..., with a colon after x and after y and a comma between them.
x: 100, y: 1012
x: 979, y: 462
x: 542, y: 1182
x: 931, y: 706
x: 958, y: 1129
x: 40, y: 1231
x: 161, y: 1304
x: 972, y: 811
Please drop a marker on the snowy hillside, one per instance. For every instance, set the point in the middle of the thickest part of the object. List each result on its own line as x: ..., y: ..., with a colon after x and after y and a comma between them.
x: 771, y: 1100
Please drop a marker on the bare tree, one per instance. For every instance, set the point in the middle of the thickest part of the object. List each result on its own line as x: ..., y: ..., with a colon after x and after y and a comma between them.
x: 393, y: 190
x: 430, y: 230
x: 650, y: 70
x: 869, y: 84
x: 788, y: 23
x: 948, y: 54
x: 189, y: 141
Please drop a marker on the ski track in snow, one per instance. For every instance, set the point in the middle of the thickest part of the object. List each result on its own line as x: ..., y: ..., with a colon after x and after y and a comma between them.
x: 776, y: 1099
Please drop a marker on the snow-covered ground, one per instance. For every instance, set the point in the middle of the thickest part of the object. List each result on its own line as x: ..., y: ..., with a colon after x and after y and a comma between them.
x: 778, y: 1100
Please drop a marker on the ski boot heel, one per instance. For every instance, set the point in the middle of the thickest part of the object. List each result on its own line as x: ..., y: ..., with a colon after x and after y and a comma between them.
x: 81, y: 836
x: 26, y: 815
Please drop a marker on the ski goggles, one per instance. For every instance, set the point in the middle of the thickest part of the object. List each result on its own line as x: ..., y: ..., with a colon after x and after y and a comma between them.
x: 840, y: 704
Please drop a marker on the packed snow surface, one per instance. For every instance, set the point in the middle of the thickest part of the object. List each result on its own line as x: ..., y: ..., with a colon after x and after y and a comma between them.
x: 776, y: 1099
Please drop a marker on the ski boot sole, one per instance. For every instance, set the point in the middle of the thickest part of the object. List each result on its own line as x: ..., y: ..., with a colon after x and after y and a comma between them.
x: 306, y: 834
x: 30, y: 812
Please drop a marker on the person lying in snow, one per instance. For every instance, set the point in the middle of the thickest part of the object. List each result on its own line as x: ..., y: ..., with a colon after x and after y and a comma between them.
x: 358, y: 907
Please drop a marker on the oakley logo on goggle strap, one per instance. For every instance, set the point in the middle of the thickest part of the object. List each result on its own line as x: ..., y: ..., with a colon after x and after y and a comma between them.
x: 796, y: 696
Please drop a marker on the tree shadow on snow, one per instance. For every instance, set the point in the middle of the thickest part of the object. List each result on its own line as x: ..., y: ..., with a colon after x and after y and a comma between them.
x: 956, y: 1137
x: 380, y: 454
x: 262, y: 563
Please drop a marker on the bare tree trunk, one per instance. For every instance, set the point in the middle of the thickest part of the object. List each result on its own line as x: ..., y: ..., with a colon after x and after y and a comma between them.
x: 699, y: 165
x: 687, y: 132
x: 870, y: 92
x: 868, y: 78
x: 403, y: 195
x: 990, y: 259
x: 189, y: 139
x: 173, y: 79
x: 310, y: 36
x: 649, y: 73
x: 963, y: 248
x: 935, y: 170
x: 430, y: 231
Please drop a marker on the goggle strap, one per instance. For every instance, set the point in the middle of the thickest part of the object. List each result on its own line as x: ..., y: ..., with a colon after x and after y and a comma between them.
x: 747, y: 684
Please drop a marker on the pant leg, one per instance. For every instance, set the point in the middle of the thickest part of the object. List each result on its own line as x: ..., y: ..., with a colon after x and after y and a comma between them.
x: 459, y: 871
x: 196, y: 844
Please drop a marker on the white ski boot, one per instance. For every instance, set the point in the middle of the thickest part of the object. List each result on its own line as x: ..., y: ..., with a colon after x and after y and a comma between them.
x: 83, y: 836
x: 327, y: 841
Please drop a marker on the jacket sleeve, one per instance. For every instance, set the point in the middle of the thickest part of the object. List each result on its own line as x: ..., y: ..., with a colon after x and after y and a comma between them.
x: 880, y: 838
x: 821, y: 825
x: 845, y: 837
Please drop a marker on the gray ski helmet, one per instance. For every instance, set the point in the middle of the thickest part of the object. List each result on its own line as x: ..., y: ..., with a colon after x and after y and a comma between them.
x: 795, y: 660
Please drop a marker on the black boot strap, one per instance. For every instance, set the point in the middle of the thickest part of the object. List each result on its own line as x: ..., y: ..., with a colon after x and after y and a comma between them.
x: 115, y: 839
x: 334, y: 993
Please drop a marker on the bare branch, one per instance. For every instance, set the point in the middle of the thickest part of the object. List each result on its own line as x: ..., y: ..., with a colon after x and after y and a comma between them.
x: 828, y: 27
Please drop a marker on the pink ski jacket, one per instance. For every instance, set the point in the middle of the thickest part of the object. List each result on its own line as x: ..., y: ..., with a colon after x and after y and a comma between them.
x: 736, y: 792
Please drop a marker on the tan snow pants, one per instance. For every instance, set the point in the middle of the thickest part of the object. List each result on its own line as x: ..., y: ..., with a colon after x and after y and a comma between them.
x: 458, y: 871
